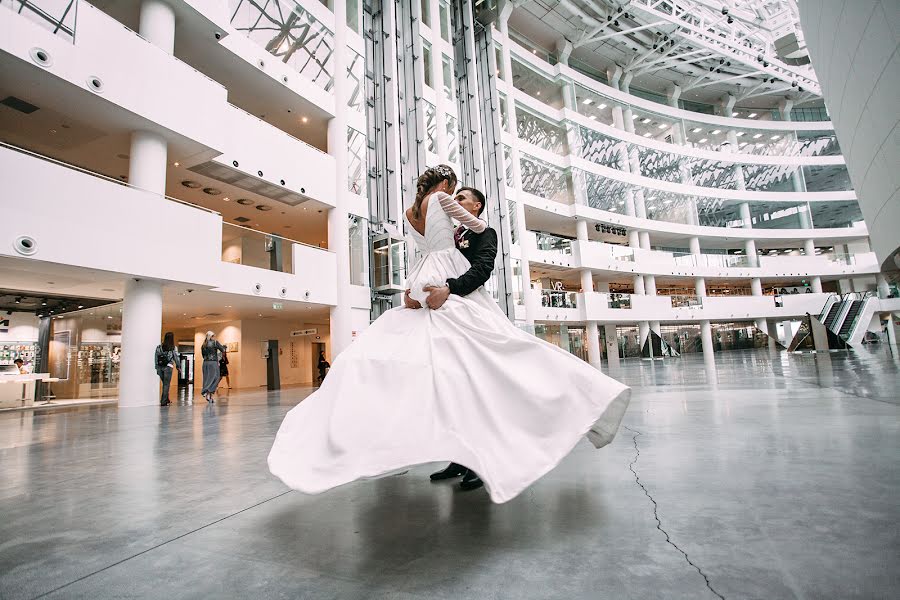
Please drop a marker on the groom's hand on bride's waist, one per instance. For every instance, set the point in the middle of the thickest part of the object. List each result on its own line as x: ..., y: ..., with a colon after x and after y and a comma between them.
x: 436, y: 295
x: 409, y: 302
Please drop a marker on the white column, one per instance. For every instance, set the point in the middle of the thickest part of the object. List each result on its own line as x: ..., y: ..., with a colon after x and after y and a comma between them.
x: 809, y: 247
x: 709, y: 359
x: 581, y: 230
x: 750, y: 251
x: 881, y: 283
x: 157, y: 24
x: 892, y: 334
x: 746, y: 217
x: 147, y: 165
x: 700, y: 287
x: 756, y: 286
x: 141, y: 328
x: 532, y: 302
x: 338, y: 232
x: 437, y: 78
x: 593, y: 344
x: 612, y: 345
x: 694, y: 245
x: 772, y: 331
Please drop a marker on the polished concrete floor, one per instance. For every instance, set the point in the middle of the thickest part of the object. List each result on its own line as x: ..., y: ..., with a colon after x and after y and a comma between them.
x: 781, y: 480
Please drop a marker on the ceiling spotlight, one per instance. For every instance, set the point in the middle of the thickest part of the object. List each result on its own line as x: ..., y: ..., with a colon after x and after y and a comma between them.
x: 80, y: 306
x: 304, y: 119
x: 177, y: 164
x: 43, y: 303
x: 730, y: 20
x: 765, y: 63
x: 793, y: 84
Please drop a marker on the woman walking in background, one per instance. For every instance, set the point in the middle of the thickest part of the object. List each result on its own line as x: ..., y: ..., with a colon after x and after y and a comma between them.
x: 210, y: 351
x: 223, y: 370
x: 166, y: 358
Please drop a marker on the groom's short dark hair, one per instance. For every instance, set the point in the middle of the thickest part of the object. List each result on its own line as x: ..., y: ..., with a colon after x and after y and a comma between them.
x: 478, y: 196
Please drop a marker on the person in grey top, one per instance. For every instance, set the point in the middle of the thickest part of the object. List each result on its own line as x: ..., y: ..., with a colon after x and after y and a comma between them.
x: 165, y: 359
x: 210, y: 351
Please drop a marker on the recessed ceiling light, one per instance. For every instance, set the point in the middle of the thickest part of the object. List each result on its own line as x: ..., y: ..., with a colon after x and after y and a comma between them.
x: 190, y: 184
x: 633, y: 117
x: 648, y: 134
x: 716, y: 131
x: 751, y: 115
x: 177, y: 164
x: 588, y: 101
x: 756, y: 136
x: 212, y: 191
x: 539, y: 92
x: 695, y: 130
x: 775, y: 137
x: 739, y: 133
x: 645, y: 120
x: 663, y: 126
x: 734, y: 114
x: 702, y: 141
x: 245, y: 201
x: 304, y: 119
x: 601, y: 106
x: 263, y: 207
x: 226, y: 199
x: 593, y: 117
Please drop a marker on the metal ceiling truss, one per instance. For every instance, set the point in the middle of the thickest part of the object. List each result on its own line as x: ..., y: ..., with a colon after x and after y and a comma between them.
x: 736, y: 34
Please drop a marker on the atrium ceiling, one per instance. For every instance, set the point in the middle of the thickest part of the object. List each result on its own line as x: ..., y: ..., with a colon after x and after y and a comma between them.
x: 753, y: 49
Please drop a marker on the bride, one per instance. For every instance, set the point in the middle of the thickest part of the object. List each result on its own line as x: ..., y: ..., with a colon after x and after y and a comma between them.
x: 460, y: 383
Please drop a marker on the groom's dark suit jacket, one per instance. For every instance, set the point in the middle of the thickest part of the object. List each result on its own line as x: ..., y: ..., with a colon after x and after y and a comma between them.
x: 480, y: 249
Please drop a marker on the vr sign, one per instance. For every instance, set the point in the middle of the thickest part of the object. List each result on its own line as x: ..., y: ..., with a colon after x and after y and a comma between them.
x: 302, y: 332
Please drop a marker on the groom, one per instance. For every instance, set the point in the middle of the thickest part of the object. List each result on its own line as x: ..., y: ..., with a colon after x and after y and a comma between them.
x: 480, y: 249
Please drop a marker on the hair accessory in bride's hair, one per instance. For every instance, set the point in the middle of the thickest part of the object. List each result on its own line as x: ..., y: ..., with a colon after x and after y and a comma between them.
x: 445, y: 172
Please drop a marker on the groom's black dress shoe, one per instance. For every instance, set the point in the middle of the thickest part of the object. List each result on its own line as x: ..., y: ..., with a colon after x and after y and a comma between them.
x: 452, y: 470
x: 471, y: 481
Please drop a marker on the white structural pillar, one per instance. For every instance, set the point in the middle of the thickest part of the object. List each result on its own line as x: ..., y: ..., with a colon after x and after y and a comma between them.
x: 772, y: 330
x: 809, y: 248
x: 157, y: 24
x: 612, y: 344
x: 141, y: 328
x: 147, y: 165
x: 884, y: 289
x: 709, y: 359
x: 338, y: 217
x: 525, y: 237
x: 587, y: 286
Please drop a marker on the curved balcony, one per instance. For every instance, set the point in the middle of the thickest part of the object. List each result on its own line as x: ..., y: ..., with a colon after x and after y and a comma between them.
x: 680, y: 229
x: 565, y: 179
x: 613, y: 259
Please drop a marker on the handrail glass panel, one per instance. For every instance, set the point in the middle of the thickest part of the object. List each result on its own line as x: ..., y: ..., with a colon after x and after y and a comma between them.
x: 251, y: 248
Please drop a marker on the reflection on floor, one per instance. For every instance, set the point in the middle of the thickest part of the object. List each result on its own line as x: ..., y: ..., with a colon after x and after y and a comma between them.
x: 779, y: 481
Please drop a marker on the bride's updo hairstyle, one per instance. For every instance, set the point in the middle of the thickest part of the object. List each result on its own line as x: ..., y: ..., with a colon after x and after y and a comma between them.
x: 426, y: 182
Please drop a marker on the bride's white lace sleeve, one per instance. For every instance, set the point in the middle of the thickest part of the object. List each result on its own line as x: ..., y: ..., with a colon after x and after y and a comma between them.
x: 455, y: 211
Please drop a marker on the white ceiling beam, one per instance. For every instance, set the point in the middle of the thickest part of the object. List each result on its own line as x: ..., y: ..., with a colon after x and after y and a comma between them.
x: 675, y: 63
x: 725, y: 47
x: 732, y: 78
x: 626, y: 31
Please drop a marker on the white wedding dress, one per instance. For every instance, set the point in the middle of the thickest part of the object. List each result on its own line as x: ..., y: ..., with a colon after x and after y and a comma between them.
x: 460, y: 383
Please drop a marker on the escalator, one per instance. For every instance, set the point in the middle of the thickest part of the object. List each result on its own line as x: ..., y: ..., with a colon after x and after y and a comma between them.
x: 850, y: 320
x: 832, y: 314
